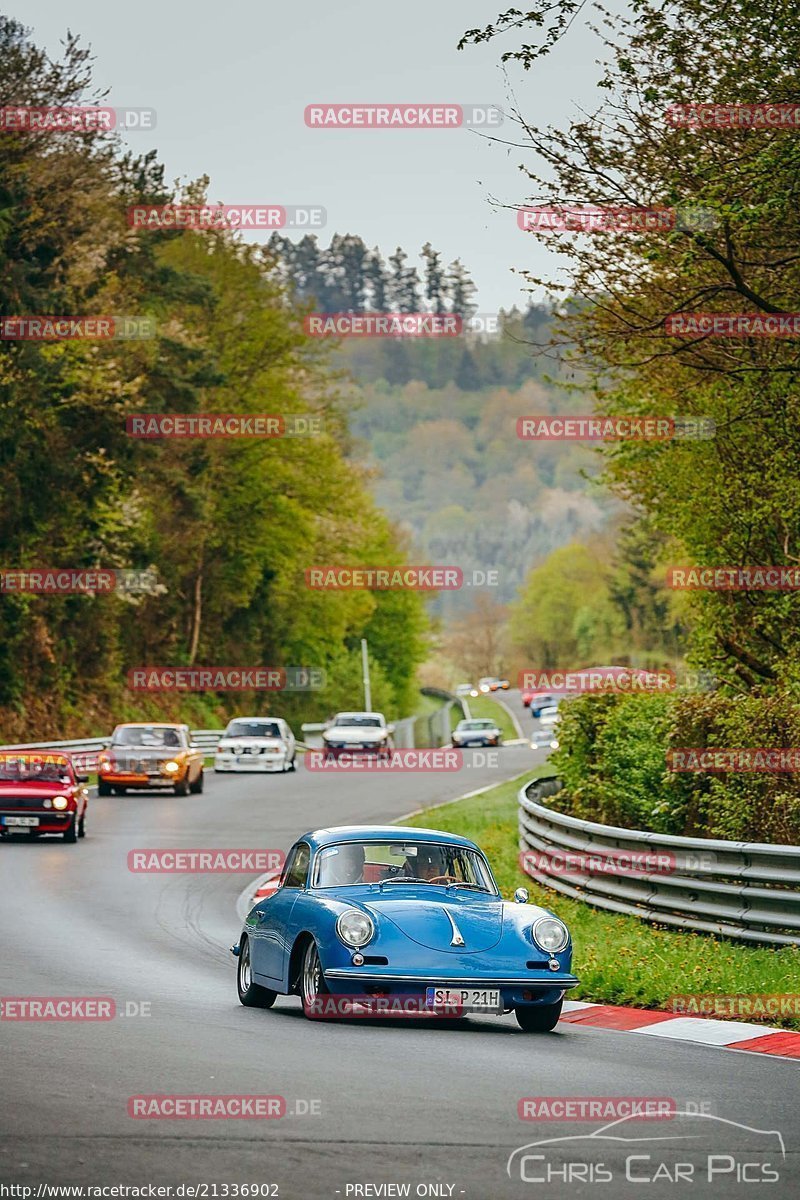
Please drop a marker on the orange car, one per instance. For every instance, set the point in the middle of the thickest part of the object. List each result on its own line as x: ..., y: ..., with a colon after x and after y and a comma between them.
x: 150, y: 756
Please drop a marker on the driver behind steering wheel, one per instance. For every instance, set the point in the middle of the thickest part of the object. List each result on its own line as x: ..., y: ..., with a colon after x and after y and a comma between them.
x: 431, y: 862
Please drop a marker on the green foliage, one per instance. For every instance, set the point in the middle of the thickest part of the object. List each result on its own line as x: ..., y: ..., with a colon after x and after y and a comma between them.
x: 229, y: 526
x: 618, y: 959
x: 612, y: 758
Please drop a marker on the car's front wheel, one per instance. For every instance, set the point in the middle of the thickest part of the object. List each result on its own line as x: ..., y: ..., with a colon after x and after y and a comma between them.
x: 71, y: 834
x: 197, y: 786
x: 251, y: 994
x: 182, y: 789
x: 538, y: 1018
x: 103, y: 788
x: 312, y: 981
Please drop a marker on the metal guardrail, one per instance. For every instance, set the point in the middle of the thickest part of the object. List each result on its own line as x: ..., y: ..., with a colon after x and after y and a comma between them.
x: 744, y: 890
x: 88, y: 749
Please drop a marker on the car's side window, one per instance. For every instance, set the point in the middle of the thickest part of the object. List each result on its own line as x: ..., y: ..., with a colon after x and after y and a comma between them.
x: 297, y: 868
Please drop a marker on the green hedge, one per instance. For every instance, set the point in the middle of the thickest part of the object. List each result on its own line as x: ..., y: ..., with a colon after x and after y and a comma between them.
x: 612, y: 759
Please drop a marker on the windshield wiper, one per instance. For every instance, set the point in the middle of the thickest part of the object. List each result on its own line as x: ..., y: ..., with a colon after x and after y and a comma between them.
x: 404, y: 879
x: 475, y: 886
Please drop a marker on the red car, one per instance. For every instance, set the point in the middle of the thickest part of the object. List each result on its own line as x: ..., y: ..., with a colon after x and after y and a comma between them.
x: 41, y: 793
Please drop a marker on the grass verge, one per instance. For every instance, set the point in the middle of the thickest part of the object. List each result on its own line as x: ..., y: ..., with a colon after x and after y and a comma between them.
x: 619, y: 959
x: 485, y: 707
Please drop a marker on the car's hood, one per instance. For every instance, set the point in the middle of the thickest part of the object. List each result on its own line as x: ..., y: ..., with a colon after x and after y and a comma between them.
x: 437, y: 923
x: 8, y: 788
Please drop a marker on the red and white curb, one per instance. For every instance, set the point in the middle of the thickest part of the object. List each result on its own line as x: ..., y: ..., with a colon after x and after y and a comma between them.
x: 727, y: 1035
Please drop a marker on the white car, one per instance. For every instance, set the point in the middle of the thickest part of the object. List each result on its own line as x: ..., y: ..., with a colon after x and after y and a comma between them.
x: 358, y: 733
x: 256, y: 744
x: 546, y: 736
x: 476, y: 732
x: 465, y: 689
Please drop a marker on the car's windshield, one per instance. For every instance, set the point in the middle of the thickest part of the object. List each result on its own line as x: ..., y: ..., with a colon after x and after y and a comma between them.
x: 476, y: 725
x: 156, y: 736
x: 253, y: 729
x: 437, y: 863
x: 361, y: 722
x: 34, y: 770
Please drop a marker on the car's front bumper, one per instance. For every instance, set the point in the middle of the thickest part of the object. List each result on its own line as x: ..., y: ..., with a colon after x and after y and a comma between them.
x: 49, y: 820
x: 251, y: 762
x: 515, y: 990
x: 131, y: 779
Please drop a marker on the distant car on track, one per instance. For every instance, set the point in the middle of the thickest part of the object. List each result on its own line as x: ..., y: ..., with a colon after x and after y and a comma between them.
x: 465, y: 689
x: 377, y: 912
x: 256, y: 744
x: 41, y: 793
x: 546, y: 736
x: 476, y: 732
x: 358, y: 733
x: 152, y: 757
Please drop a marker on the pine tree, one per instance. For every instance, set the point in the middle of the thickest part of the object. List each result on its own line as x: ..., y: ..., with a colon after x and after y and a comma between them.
x: 436, y: 290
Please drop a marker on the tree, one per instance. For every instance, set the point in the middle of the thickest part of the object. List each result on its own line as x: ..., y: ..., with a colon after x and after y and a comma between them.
x: 404, y: 284
x: 462, y: 289
x: 731, y: 499
x: 435, y: 282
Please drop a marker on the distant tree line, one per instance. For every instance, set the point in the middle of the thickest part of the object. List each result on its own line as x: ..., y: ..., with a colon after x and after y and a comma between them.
x: 347, y: 276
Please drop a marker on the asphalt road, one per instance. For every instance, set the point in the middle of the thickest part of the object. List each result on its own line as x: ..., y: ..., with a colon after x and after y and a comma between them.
x: 392, y: 1103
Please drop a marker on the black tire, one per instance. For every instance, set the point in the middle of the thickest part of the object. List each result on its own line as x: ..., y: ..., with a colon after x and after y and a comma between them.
x: 293, y: 763
x: 103, y: 788
x: 82, y: 826
x: 182, y: 789
x: 311, y: 991
x: 70, y: 835
x: 251, y: 995
x: 119, y: 791
x: 197, y: 787
x: 538, y: 1018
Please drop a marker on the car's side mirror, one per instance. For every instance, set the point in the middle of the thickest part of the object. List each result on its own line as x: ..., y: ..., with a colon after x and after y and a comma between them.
x: 521, y: 896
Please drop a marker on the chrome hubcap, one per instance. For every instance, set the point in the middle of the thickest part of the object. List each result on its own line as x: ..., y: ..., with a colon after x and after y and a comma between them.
x: 311, y: 974
x: 244, y: 968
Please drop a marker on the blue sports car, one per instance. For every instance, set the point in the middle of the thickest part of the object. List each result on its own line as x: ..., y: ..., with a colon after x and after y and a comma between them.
x: 373, y: 920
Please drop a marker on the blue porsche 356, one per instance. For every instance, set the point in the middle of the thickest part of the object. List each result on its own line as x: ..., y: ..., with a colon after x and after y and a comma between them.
x: 366, y: 915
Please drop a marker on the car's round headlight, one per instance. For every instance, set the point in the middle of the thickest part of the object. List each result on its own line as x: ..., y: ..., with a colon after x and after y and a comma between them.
x: 60, y: 802
x: 551, y: 934
x: 354, y: 928
x: 172, y: 766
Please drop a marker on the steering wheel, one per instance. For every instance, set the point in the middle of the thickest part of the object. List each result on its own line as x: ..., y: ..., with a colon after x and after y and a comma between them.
x: 443, y: 879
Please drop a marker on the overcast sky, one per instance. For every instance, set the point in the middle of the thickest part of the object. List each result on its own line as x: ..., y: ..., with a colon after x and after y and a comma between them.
x: 230, y: 84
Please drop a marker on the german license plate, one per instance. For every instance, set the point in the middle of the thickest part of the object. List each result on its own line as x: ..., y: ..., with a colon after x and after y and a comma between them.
x: 25, y: 822
x: 466, y: 999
